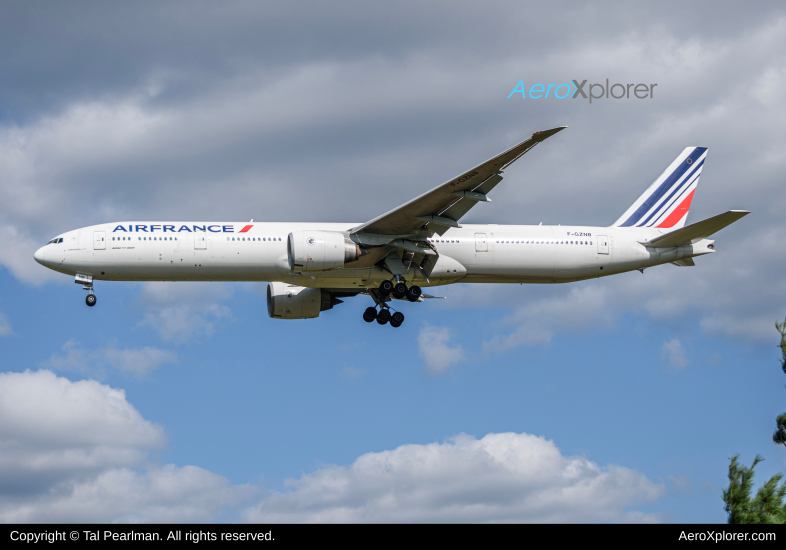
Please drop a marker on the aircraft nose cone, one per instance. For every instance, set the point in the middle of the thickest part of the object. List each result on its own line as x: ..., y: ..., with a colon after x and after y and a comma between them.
x: 39, y: 255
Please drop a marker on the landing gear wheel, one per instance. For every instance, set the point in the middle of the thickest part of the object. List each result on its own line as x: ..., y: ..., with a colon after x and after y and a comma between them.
x: 400, y: 290
x: 383, y: 316
x: 90, y: 300
x: 396, y: 319
x: 385, y: 288
x: 370, y: 314
x: 414, y: 293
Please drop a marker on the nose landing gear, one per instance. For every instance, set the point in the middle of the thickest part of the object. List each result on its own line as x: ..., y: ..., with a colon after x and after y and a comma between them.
x: 87, y: 283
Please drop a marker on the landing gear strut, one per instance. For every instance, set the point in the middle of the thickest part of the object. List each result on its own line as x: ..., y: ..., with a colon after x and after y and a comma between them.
x: 398, y: 290
x: 87, y: 283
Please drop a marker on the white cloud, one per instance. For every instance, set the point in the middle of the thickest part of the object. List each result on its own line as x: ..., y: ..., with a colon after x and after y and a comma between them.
x: 682, y: 483
x: 674, y: 354
x: 434, y: 347
x: 504, y: 477
x: 138, y: 362
x: 79, y: 452
x: 179, y: 311
x: 181, y: 151
x: 71, y: 452
x: 537, y: 321
x: 120, y: 495
x: 352, y: 372
x: 16, y: 254
x: 50, y: 426
x: 5, y: 325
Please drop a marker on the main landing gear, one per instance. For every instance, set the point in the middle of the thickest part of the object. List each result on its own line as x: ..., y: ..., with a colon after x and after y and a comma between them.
x: 383, y: 317
x: 91, y: 299
x: 398, y: 290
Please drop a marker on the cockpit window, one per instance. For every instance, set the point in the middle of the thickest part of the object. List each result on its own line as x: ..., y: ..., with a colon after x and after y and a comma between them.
x: 55, y: 241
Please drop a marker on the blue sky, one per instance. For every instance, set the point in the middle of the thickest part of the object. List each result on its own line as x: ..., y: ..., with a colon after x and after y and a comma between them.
x: 608, y: 400
x: 259, y: 401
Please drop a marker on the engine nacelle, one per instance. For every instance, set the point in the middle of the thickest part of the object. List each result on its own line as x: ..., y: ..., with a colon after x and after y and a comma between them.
x: 297, y: 302
x: 320, y: 250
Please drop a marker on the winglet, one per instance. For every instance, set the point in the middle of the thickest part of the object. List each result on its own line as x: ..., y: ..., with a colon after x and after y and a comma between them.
x: 543, y: 134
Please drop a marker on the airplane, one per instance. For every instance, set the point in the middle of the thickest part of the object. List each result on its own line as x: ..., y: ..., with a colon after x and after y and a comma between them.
x: 310, y: 267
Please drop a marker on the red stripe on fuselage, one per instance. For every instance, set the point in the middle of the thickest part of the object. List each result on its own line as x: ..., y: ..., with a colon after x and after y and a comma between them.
x: 246, y: 228
x: 678, y: 212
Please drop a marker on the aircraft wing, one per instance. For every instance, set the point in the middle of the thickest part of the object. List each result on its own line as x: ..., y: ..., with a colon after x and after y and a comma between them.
x: 442, y: 207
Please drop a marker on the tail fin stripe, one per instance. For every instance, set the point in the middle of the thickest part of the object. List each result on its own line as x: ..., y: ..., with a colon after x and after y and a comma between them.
x: 679, y: 190
x: 684, y: 169
x: 683, y: 192
x: 677, y: 214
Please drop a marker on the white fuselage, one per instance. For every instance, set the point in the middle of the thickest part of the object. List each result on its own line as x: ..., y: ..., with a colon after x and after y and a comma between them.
x: 229, y: 251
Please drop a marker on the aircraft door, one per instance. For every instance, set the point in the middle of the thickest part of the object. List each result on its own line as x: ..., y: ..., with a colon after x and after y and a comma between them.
x: 200, y: 242
x: 481, y: 244
x: 603, y: 244
x: 99, y: 240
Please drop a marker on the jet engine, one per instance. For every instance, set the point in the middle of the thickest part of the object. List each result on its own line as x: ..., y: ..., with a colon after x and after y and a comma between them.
x: 320, y: 250
x: 297, y: 302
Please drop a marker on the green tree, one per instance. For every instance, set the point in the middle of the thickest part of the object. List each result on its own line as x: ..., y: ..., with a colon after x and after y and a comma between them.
x: 767, y: 507
x: 779, y: 437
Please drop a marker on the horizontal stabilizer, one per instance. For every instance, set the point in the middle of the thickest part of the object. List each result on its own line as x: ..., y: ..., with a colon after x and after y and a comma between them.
x: 697, y: 231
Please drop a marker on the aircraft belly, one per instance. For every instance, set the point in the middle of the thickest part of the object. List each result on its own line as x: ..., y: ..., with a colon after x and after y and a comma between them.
x: 340, y: 278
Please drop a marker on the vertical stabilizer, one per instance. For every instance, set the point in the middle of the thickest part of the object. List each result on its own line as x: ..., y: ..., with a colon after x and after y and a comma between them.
x: 666, y: 202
